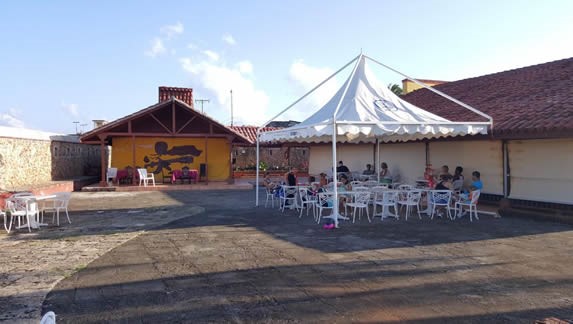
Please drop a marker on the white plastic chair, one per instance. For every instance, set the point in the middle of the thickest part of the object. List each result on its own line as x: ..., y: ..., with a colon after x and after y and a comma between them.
x: 386, y: 199
x: 405, y: 187
x: 306, y: 200
x: 324, y: 200
x: 410, y: 199
x: 472, y: 205
x: 270, y: 195
x: 359, y: 202
x: 370, y: 183
x: 360, y: 188
x: 440, y: 198
x: 144, y: 177
x: 457, y: 185
x: 356, y: 183
x: 48, y: 318
x: 288, y: 194
x: 111, y: 174
x: 60, y: 203
x: 23, y: 210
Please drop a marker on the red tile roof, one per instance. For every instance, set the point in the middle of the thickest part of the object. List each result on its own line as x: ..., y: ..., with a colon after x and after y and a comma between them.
x: 183, y: 94
x: 530, y: 102
x: 250, y: 132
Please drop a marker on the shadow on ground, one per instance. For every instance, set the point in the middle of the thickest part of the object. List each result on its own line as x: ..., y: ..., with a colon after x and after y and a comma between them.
x: 238, y: 263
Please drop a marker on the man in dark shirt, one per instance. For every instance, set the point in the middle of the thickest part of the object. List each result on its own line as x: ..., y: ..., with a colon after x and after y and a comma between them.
x: 341, y: 167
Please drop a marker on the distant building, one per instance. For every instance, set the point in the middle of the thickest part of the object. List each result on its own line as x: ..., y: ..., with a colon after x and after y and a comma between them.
x: 409, y: 85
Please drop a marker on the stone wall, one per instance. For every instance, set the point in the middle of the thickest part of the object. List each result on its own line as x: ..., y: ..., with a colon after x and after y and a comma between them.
x: 275, y: 157
x: 27, y: 163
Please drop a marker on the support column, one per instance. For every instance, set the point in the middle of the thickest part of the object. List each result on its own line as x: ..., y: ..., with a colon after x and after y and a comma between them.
x: 206, y: 159
x: 231, y: 179
x: 103, y: 181
x: 134, y: 171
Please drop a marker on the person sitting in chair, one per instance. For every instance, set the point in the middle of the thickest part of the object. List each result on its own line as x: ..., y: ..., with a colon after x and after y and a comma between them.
x: 369, y: 170
x: 342, y: 168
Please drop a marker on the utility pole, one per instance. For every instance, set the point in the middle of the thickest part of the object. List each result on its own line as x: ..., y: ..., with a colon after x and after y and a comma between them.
x: 201, y: 101
x: 76, y: 122
x: 231, y: 107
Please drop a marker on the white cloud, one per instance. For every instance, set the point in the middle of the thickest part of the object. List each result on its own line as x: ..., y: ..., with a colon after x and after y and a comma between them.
x: 245, y: 67
x: 228, y: 38
x: 249, y: 103
x: 171, y: 31
x: 157, y: 48
x: 305, y: 77
x: 11, y: 118
x: 191, y: 46
x: 212, y: 55
x: 71, y: 109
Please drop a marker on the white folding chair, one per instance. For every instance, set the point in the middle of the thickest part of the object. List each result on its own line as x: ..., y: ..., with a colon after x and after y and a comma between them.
x: 386, y: 199
x: 60, y: 203
x: 324, y: 201
x: 471, y: 204
x: 288, y: 194
x: 144, y: 177
x: 306, y: 200
x: 359, y: 202
x: 24, y: 210
x: 440, y: 198
x: 410, y: 199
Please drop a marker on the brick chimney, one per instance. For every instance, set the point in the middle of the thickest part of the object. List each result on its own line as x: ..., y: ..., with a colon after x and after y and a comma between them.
x: 183, y: 94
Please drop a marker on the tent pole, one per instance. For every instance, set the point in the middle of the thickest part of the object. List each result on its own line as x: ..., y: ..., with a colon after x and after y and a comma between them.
x: 311, y: 91
x: 257, y: 176
x: 335, y: 211
x: 488, y: 117
x: 378, y: 158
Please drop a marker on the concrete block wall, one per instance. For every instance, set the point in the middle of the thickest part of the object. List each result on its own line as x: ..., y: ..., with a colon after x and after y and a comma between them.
x: 27, y: 163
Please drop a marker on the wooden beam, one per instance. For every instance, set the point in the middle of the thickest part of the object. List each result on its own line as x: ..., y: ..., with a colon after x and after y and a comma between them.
x: 231, y: 179
x: 160, y: 123
x: 200, y: 135
x: 210, y: 128
x: 129, y: 128
x: 133, y: 171
x: 206, y: 159
x: 173, y: 117
x: 185, y: 125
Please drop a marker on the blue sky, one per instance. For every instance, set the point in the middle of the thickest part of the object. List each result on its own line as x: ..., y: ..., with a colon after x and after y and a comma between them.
x: 65, y: 61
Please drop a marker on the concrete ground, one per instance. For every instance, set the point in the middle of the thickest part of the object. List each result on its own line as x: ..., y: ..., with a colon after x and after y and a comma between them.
x: 237, y: 263
x: 32, y: 263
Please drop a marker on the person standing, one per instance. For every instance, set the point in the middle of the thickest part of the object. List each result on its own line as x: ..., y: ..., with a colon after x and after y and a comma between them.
x: 342, y: 168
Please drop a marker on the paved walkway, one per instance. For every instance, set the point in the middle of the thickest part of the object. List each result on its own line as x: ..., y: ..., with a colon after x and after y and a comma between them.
x: 235, y: 263
x: 32, y: 264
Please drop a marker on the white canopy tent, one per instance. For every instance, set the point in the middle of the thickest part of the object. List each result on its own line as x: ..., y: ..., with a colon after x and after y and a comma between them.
x: 364, y: 110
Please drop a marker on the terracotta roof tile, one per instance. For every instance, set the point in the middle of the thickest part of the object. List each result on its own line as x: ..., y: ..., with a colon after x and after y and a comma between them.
x: 531, y: 101
x: 250, y: 132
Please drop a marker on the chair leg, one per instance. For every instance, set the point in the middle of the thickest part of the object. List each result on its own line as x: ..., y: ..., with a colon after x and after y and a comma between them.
x: 368, y: 215
x: 58, y: 216
x: 476, y: 212
x: 68, y: 216
x: 418, y: 209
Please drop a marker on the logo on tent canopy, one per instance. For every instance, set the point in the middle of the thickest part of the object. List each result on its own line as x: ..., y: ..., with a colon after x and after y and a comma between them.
x: 385, y: 104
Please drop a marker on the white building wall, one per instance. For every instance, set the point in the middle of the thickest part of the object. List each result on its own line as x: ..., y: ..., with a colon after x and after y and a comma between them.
x: 541, y: 170
x: 483, y: 156
x: 405, y: 160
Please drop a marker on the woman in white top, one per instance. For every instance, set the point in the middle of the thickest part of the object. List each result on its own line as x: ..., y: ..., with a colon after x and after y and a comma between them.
x: 385, y: 172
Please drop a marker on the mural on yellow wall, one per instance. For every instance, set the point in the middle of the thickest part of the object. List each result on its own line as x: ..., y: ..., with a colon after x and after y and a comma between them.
x: 161, y: 154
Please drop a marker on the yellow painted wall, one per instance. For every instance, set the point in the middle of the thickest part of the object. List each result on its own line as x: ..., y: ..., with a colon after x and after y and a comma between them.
x: 409, y: 86
x: 218, y: 152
